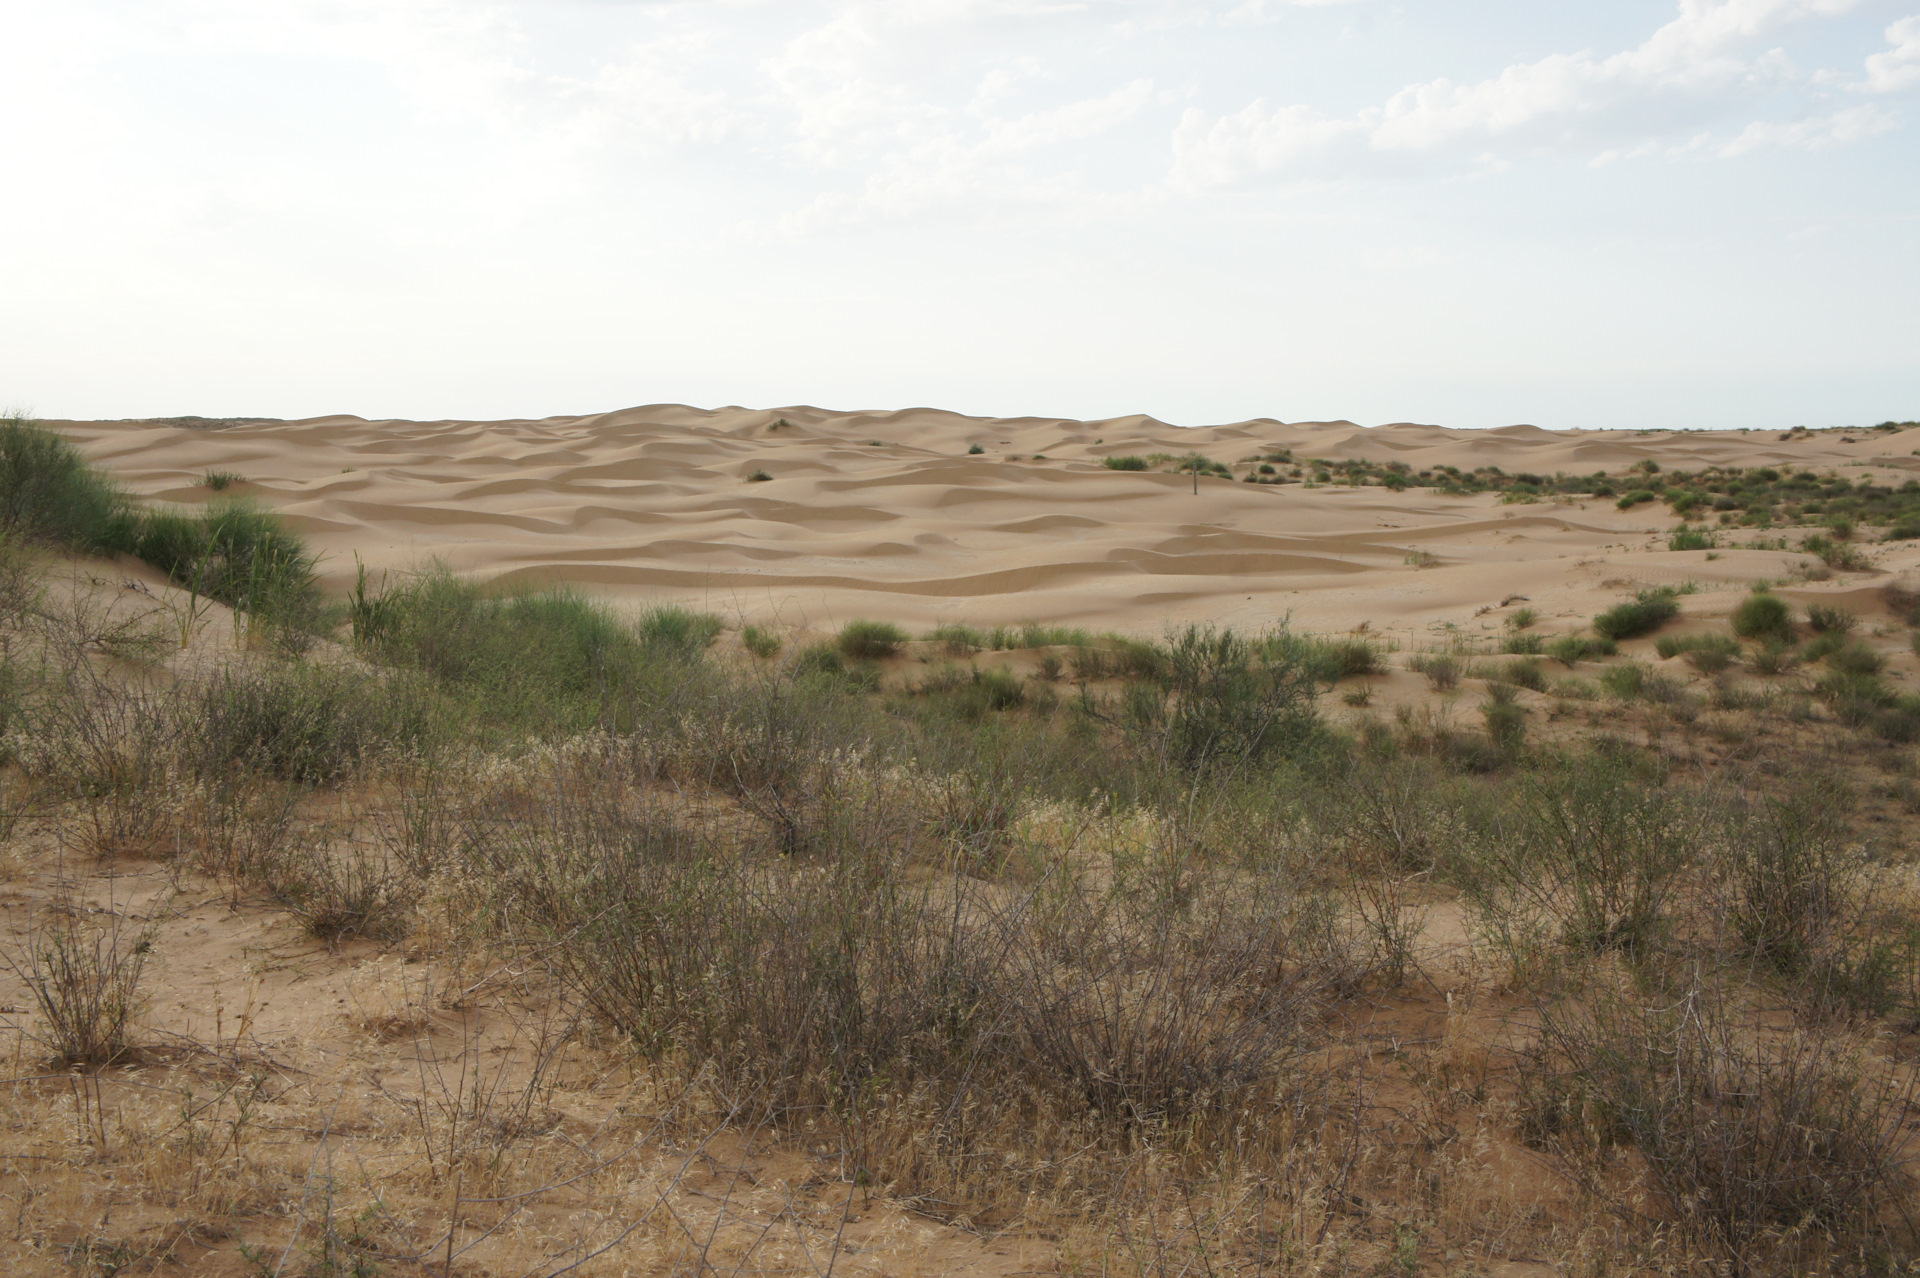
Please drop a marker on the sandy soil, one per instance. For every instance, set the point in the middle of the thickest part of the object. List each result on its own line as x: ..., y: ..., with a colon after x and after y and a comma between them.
x: 887, y: 515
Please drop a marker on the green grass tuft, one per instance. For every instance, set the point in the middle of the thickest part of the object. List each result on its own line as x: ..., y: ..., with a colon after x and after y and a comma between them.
x: 870, y: 640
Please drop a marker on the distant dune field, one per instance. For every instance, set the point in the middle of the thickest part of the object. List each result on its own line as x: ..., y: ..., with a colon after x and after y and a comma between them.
x: 889, y: 515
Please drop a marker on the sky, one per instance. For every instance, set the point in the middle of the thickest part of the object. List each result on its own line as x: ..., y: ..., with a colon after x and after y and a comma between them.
x: 1631, y: 214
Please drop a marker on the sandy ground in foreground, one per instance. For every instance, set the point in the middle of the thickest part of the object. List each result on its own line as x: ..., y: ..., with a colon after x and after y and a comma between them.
x: 887, y: 515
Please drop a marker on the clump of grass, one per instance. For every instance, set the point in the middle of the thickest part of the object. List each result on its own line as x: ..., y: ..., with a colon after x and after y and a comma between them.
x: 975, y: 450
x: 221, y: 480
x: 1525, y: 673
x: 1709, y: 654
x: 1523, y: 645
x: 1505, y: 717
x: 237, y: 553
x: 761, y: 641
x: 1840, y: 555
x: 1688, y: 538
x: 1763, y: 615
x: 1645, y: 613
x: 1522, y: 619
x: 354, y: 893
x: 1822, y: 618
x: 1569, y: 650
x: 870, y: 640
x: 677, y: 631
x: 758, y: 477
x: 1127, y: 462
x: 1633, y: 681
x: 1441, y: 669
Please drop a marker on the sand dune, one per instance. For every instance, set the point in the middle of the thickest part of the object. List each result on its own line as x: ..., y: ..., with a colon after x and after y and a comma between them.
x: 886, y: 514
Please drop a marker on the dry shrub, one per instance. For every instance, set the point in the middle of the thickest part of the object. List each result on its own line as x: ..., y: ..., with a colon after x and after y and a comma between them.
x: 1756, y: 1144
x: 85, y: 981
x: 339, y: 893
x: 241, y: 825
x: 1587, y: 854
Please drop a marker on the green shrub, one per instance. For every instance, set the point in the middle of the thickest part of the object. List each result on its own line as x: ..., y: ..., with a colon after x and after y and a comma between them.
x: 760, y: 641
x: 1773, y: 656
x: 1632, y: 681
x: 1569, y: 649
x: 975, y: 450
x: 870, y: 640
x: 1526, y: 673
x: 1856, y: 658
x: 1646, y: 612
x: 48, y: 493
x: 237, y: 553
x: 819, y: 659
x: 1685, y: 538
x: 1220, y: 699
x: 1505, y: 717
x: 1635, y: 498
x: 1837, y: 554
x: 1587, y: 852
x: 1763, y: 616
x: 1522, y: 618
x: 1522, y: 645
x: 1128, y: 462
x: 676, y: 631
x: 758, y: 477
x: 221, y: 480
x: 1441, y: 669
x: 1854, y: 695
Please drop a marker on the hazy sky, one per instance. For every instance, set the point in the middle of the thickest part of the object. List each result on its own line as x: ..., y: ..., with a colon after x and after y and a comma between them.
x: 1472, y: 212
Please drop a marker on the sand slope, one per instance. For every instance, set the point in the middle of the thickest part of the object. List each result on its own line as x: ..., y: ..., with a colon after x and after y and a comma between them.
x: 885, y: 514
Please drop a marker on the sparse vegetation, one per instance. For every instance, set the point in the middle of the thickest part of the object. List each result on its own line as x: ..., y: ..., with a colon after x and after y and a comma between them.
x: 641, y: 930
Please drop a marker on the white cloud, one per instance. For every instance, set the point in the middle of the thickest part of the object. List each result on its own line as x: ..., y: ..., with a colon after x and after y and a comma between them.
x: 1812, y: 133
x: 1687, y: 73
x: 1899, y: 67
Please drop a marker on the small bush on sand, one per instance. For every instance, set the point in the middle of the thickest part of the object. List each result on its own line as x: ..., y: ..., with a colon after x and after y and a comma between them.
x: 1763, y: 615
x: 1441, y: 669
x: 1822, y: 618
x: 761, y: 641
x: 85, y: 981
x: 1568, y: 650
x: 1588, y: 853
x: 1505, y: 717
x: 1645, y: 613
x: 677, y: 631
x: 870, y: 640
x: 1124, y: 463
